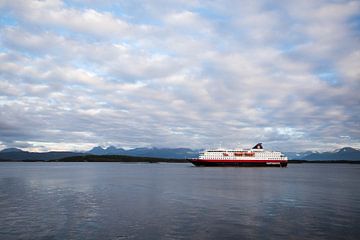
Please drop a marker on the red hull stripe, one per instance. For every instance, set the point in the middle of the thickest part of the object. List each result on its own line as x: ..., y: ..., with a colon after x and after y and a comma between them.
x: 234, y: 161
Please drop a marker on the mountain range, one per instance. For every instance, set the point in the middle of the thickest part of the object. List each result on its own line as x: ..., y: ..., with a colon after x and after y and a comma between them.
x: 177, y: 153
x: 15, y: 154
x: 346, y: 153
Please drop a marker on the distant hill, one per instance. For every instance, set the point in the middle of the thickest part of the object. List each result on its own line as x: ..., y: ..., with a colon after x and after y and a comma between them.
x: 346, y: 153
x: 12, y: 154
x: 106, y: 151
x: 177, y: 153
x: 118, y: 158
x: 297, y: 155
x: 10, y: 150
x: 15, y: 154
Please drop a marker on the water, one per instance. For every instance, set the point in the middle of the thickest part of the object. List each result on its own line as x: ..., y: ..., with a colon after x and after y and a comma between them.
x: 178, y: 201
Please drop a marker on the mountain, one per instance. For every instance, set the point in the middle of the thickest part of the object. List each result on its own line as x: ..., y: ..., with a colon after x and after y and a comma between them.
x: 118, y: 158
x: 111, y: 150
x: 346, y: 153
x: 297, y: 155
x: 15, y: 154
x: 178, y: 153
x: 164, y: 152
x: 8, y: 150
x: 35, y: 156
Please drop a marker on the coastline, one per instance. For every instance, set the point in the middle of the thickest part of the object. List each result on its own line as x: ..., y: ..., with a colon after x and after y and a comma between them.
x: 132, y: 159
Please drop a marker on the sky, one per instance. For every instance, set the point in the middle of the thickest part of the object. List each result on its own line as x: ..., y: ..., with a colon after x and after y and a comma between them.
x: 182, y: 73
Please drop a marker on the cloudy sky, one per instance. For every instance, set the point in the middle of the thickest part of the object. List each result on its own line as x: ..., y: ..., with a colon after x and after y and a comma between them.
x: 181, y: 73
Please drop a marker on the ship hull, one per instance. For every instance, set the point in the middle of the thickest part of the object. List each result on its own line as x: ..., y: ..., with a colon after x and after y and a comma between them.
x: 237, y: 163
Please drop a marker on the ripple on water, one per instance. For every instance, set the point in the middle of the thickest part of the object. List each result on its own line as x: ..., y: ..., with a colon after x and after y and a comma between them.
x: 175, y: 201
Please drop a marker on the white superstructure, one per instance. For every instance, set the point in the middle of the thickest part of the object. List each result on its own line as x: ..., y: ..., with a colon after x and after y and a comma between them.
x: 256, y: 153
x: 255, y: 156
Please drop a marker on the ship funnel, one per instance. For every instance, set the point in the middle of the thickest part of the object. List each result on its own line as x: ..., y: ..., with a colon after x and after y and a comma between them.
x: 258, y: 146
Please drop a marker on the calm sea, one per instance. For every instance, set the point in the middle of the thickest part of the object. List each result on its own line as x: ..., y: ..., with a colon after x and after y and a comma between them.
x: 178, y: 201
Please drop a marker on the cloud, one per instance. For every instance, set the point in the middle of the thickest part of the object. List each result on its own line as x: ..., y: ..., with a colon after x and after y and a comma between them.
x: 180, y: 74
x: 56, y: 14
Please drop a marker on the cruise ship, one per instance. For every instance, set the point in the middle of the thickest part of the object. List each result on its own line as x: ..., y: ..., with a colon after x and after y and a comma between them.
x: 254, y: 157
